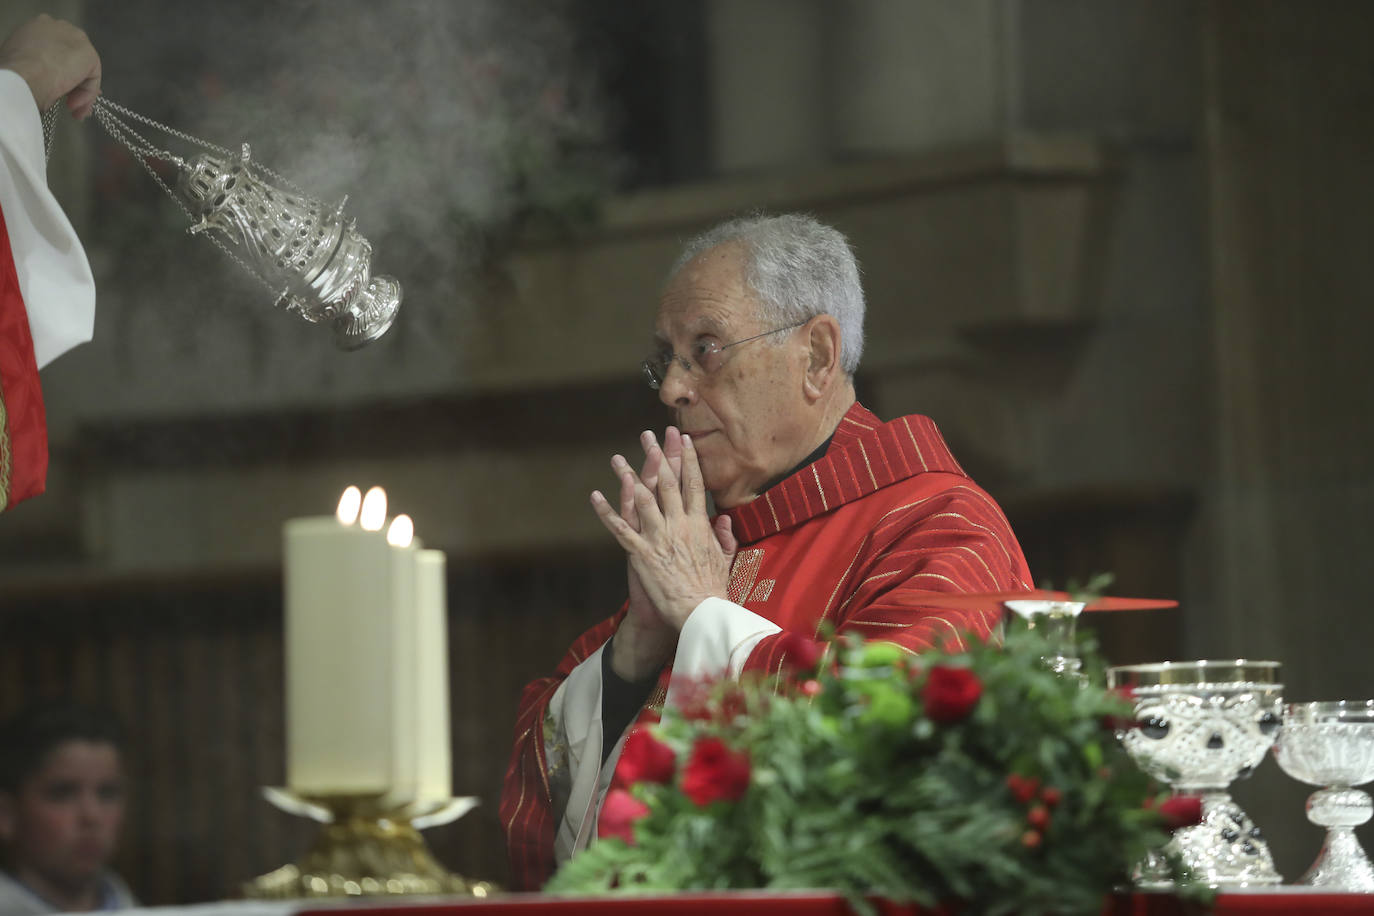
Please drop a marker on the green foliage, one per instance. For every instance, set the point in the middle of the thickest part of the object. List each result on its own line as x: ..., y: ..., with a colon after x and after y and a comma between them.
x: 855, y: 788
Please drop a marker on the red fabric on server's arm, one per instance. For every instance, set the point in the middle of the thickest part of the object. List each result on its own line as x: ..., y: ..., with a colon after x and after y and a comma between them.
x: 23, y: 421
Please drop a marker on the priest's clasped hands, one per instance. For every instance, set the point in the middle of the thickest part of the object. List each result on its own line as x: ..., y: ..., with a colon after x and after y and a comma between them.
x: 677, y: 556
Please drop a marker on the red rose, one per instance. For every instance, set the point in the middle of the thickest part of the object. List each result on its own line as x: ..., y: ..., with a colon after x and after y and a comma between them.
x: 1181, y: 811
x: 810, y: 687
x: 1023, y: 788
x: 1038, y: 817
x: 618, y: 815
x: 733, y: 704
x: 644, y: 759
x: 1051, y: 796
x: 799, y: 652
x: 693, y: 698
x: 715, y: 773
x: 950, y: 693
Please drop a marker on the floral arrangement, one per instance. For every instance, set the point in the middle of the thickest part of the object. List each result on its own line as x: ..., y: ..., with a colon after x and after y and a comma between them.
x: 974, y: 776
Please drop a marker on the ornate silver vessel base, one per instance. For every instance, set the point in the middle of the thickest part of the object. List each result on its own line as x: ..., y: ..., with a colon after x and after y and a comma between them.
x: 1225, y: 850
x: 1342, y: 864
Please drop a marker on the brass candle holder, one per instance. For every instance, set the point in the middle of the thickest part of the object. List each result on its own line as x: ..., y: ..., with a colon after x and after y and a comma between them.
x: 366, y: 847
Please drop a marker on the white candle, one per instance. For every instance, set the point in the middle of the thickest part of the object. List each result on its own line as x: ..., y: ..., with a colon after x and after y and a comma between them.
x: 435, y: 764
x: 405, y: 649
x: 339, y: 674
x: 367, y: 657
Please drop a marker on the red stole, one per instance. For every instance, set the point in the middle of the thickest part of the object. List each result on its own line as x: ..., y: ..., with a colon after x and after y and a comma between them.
x: 23, y: 422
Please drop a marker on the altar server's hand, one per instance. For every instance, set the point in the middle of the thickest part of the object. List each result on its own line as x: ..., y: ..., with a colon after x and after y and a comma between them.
x: 55, y: 58
x: 680, y: 557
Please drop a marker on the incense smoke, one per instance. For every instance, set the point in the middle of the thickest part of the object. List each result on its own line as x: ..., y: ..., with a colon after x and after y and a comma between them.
x: 448, y: 125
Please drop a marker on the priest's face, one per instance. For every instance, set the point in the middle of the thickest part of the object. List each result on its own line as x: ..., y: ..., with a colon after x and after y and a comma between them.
x: 62, y: 823
x: 744, y: 408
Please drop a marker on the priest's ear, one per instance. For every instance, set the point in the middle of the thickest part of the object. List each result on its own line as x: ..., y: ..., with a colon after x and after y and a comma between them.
x: 823, y: 349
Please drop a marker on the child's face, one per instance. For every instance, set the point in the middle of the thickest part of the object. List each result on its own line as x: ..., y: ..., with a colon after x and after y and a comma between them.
x: 64, y: 821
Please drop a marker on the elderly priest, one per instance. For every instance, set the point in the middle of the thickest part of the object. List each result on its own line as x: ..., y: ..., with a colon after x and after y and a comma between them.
x: 827, y: 515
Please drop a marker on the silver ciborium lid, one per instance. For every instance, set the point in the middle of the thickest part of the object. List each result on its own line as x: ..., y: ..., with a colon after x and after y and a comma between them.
x: 309, y: 255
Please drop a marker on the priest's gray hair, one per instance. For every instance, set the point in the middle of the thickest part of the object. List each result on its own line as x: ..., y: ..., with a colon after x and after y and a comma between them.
x: 798, y: 268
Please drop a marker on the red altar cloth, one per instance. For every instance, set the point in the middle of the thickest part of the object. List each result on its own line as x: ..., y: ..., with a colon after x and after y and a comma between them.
x: 765, y: 903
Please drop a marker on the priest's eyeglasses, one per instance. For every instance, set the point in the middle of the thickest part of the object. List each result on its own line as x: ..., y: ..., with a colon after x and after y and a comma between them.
x: 705, y: 357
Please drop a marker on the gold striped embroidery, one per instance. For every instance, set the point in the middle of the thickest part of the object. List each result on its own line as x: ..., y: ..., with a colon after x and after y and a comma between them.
x: 863, y: 451
x: 976, y: 495
x: 657, y: 699
x: 878, y: 576
x: 911, y: 505
x: 825, y: 506
x: 910, y: 551
x: 924, y: 466
x: 979, y: 557
x: 743, y: 573
x: 958, y: 636
x: 879, y: 623
x: 861, y: 587
x: 928, y: 575
x: 768, y: 498
x: 857, y: 423
x: 803, y: 494
x: 5, y: 455
x: 853, y: 475
x: 892, y: 448
x: 831, y: 601
x: 762, y: 591
x: 520, y: 803
x: 1011, y: 564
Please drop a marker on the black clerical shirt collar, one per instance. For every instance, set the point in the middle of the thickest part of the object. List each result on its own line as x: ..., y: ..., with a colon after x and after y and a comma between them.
x: 809, y: 459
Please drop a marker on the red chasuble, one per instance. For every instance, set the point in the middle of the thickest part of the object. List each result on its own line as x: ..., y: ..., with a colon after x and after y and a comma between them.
x: 23, y: 423
x: 854, y: 539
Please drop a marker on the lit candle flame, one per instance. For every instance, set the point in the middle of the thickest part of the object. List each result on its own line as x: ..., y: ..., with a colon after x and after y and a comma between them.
x: 349, y: 502
x: 401, y: 531
x: 374, y: 510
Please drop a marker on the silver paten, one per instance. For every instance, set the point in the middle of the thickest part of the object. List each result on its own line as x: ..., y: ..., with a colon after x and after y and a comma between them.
x: 1198, y: 727
x: 1331, y: 745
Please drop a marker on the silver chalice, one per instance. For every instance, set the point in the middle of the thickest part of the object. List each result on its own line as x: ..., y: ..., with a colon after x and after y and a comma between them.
x: 1199, y: 726
x: 1056, y: 620
x: 1331, y: 745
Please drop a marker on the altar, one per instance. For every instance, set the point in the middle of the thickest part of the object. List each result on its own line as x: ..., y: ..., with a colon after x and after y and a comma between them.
x: 1294, y: 900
